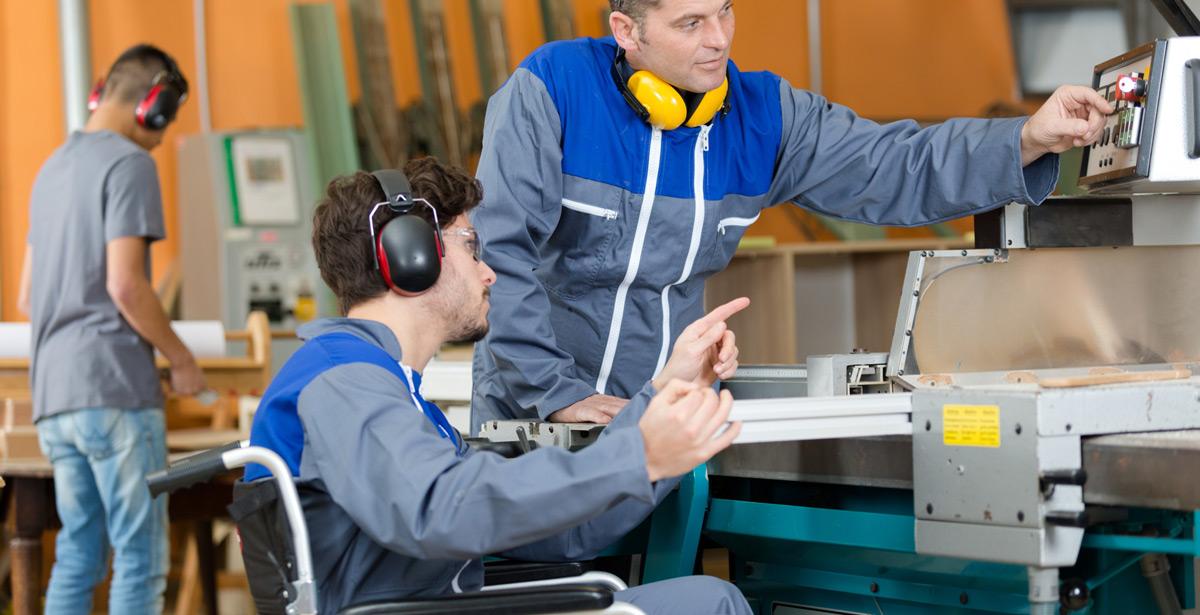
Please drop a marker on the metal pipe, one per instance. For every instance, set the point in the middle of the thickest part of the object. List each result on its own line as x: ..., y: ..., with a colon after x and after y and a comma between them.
x: 305, y: 599
x: 76, y: 61
x: 200, y: 33
x: 1157, y: 571
x: 814, y: 46
x: 1043, y: 591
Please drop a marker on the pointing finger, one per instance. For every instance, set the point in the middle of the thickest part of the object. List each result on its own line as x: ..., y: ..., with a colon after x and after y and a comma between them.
x: 723, y: 312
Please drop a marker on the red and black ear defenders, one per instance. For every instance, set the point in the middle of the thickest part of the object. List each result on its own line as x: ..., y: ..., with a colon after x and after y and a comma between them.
x: 158, y: 107
x: 408, y: 250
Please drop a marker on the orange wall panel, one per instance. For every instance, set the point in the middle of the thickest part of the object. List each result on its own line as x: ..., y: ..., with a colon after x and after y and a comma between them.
x: 927, y: 59
x: 460, y: 45
x: 31, y: 125
x: 406, y: 76
x: 251, y: 65
x: 590, y: 18
x: 522, y: 29
x: 774, y: 40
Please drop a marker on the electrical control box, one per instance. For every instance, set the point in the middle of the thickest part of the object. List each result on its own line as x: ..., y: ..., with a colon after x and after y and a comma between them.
x: 1143, y: 173
x: 245, y: 205
x: 1151, y: 142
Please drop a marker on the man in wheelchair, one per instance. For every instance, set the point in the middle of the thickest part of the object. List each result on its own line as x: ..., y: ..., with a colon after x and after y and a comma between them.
x: 397, y: 505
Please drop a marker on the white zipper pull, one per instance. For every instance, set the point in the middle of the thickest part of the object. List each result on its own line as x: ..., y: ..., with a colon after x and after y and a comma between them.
x: 704, y: 136
x: 721, y: 229
x: 610, y: 215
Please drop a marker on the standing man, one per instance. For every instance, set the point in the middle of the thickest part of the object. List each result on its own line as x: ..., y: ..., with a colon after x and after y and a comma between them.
x: 95, y: 209
x: 620, y: 173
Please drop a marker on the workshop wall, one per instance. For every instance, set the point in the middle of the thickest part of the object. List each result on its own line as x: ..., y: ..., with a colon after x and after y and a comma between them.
x: 928, y: 59
x: 252, y: 83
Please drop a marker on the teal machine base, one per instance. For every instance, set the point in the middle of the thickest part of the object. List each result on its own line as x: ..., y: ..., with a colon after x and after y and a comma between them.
x: 798, y: 548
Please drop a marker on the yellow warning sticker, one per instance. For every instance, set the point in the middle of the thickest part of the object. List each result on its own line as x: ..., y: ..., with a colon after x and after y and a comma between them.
x: 964, y: 425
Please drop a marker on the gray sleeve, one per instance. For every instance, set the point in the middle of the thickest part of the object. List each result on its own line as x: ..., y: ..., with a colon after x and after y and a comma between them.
x: 385, y: 465
x: 521, y: 172
x: 898, y: 174
x: 133, y: 200
x: 587, y: 540
x: 628, y: 418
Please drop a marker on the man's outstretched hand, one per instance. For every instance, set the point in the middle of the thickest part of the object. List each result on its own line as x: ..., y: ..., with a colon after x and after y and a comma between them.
x: 1073, y: 116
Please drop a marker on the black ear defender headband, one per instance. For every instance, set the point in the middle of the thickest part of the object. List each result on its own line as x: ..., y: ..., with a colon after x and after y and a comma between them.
x: 661, y: 104
x: 408, y: 250
x: 158, y: 107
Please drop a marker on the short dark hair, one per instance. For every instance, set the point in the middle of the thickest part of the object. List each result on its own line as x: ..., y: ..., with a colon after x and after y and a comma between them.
x: 634, y: 8
x: 342, y: 240
x: 130, y: 77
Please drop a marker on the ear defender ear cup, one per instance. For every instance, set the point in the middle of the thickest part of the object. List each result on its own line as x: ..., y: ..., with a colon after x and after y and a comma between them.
x: 94, y: 97
x: 664, y: 106
x: 409, y: 254
x: 408, y: 249
x: 167, y: 92
x: 710, y: 104
x: 158, y: 108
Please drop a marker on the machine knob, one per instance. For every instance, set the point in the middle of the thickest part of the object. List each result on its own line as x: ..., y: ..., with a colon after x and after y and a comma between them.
x: 1050, y: 478
x: 1068, y: 518
x: 1130, y: 87
x: 1073, y: 594
x: 523, y: 441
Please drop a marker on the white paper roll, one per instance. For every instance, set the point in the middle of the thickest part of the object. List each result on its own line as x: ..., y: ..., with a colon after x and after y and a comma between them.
x: 14, y: 340
x: 205, y: 338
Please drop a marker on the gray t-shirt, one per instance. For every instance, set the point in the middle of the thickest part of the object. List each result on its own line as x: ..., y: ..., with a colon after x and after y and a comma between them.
x: 96, y: 187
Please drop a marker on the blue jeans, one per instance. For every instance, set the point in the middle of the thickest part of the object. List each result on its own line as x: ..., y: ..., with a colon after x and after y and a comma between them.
x: 101, y: 457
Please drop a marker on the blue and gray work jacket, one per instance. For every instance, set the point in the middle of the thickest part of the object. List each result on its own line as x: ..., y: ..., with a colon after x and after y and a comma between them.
x: 397, y: 506
x: 602, y: 229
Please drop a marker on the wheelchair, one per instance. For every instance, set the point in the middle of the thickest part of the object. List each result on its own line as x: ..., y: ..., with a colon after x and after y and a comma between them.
x: 275, y: 549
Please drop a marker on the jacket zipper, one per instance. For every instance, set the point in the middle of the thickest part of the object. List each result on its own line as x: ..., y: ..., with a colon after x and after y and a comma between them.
x: 635, y: 260
x: 591, y: 210
x: 693, y: 247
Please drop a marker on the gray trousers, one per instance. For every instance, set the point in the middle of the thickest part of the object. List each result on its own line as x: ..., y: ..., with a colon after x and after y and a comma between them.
x: 695, y: 595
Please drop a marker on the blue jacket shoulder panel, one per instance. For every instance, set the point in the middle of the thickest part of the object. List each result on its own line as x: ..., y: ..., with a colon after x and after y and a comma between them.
x: 603, y: 139
x: 277, y: 424
x: 744, y: 144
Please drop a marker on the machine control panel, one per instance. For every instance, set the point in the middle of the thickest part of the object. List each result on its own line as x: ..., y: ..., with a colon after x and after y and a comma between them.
x: 246, y: 201
x: 275, y: 280
x: 1151, y: 141
x: 1126, y: 83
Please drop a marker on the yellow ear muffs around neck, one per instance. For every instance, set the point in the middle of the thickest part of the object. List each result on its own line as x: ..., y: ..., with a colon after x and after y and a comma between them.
x: 664, y: 105
x: 710, y: 104
x: 667, y: 109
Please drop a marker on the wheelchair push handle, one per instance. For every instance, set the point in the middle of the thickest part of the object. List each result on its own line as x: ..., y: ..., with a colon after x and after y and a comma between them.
x: 191, y: 470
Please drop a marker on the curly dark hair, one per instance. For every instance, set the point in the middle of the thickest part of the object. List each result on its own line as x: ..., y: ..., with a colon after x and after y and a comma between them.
x: 342, y: 240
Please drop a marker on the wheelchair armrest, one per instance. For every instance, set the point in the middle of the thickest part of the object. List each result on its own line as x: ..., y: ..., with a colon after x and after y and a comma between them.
x: 556, y: 599
x: 188, y: 471
x: 503, y: 572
